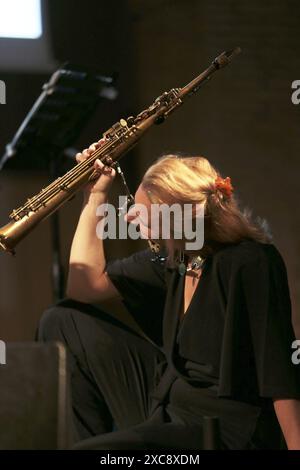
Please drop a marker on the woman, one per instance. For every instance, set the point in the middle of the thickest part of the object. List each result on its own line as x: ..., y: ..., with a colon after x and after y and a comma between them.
x: 219, y: 318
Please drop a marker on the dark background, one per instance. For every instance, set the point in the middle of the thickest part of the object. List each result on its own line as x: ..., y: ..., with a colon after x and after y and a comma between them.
x: 243, y: 121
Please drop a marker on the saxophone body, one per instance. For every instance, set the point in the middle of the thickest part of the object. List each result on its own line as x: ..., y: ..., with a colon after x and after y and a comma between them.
x: 119, y: 139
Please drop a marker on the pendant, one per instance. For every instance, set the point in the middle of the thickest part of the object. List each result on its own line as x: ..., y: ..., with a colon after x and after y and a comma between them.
x: 197, y: 262
x: 195, y: 267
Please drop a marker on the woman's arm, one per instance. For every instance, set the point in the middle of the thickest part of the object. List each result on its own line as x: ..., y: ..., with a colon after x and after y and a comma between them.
x: 288, y: 415
x: 87, y: 280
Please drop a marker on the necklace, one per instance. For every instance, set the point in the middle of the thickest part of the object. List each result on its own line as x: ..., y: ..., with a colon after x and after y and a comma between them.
x: 193, y: 267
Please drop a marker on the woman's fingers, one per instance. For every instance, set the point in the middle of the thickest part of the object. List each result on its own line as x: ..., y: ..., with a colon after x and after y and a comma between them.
x: 101, y: 142
x: 98, y: 165
x: 104, y: 169
x: 81, y: 156
x: 103, y: 175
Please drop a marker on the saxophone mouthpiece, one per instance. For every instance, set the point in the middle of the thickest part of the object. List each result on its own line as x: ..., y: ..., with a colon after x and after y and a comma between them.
x: 226, y: 57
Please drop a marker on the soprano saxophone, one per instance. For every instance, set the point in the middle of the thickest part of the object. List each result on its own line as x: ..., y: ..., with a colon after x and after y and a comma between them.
x: 119, y: 139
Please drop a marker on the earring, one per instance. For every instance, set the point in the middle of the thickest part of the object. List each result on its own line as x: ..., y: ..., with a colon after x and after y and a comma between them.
x: 181, y: 266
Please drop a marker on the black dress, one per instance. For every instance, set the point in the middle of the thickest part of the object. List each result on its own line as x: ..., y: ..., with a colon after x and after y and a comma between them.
x: 231, y: 352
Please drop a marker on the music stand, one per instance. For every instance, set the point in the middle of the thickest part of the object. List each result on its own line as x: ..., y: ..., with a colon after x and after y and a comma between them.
x: 55, y: 120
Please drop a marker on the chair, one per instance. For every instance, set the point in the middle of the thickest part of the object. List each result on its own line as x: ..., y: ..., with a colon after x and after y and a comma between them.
x: 34, y: 397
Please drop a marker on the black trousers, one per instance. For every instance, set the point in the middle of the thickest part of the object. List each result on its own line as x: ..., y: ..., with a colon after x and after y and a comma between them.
x: 112, y: 374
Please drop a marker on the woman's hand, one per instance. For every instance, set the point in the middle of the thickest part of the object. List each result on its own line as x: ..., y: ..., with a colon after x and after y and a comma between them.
x: 102, y: 184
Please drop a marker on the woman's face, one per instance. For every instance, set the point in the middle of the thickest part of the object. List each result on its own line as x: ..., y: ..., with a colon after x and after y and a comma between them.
x: 150, y: 225
x: 140, y: 214
x: 187, y: 232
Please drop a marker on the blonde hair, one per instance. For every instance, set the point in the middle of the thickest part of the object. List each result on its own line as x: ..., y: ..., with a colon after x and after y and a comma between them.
x: 191, y: 179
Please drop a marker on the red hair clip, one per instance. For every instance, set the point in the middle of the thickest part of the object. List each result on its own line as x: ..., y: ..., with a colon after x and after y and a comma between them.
x: 224, y: 185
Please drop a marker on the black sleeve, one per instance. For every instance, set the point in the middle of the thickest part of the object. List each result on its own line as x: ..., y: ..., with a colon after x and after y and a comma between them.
x: 257, y: 345
x: 269, y: 307
x: 141, y: 283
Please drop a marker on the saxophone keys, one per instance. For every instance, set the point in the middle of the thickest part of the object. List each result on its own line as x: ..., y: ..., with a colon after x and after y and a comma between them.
x: 14, y: 215
x: 107, y: 161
